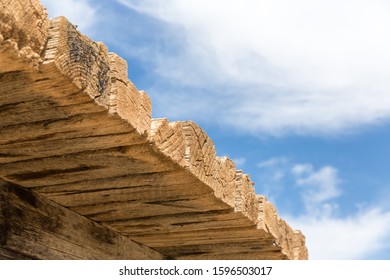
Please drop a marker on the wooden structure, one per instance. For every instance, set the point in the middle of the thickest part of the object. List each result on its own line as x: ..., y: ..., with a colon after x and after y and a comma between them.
x: 86, y: 173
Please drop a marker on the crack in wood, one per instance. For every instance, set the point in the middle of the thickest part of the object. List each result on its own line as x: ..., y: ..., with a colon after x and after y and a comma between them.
x: 51, y: 172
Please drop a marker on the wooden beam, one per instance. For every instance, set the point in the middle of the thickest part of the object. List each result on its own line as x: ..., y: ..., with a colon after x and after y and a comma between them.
x: 33, y: 227
x: 23, y: 33
x: 75, y: 130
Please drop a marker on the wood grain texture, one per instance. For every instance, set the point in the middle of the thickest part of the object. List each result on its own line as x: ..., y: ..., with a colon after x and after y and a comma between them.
x: 75, y: 130
x: 169, y: 139
x: 37, y: 228
x: 125, y: 100
x: 85, y: 62
x: 23, y: 33
x: 245, y: 198
x: 291, y: 241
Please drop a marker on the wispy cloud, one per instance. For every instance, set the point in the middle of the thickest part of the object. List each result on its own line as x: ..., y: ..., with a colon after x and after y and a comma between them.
x: 267, y: 67
x: 358, y: 236
x: 316, y: 191
x: 272, y: 162
x: 317, y: 187
x: 275, y: 67
x: 299, y: 169
x: 82, y: 13
x: 330, y: 236
x: 271, y: 176
x: 240, y: 162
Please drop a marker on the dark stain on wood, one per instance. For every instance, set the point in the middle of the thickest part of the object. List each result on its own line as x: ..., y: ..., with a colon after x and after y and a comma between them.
x: 25, y: 195
x: 51, y: 172
x: 35, y: 138
x: 102, y: 235
x: 81, y: 52
x: 3, y: 232
x: 10, y: 74
x: 41, y: 80
x: 8, y: 106
x: 3, y: 155
x: 103, y: 76
x: 4, y: 215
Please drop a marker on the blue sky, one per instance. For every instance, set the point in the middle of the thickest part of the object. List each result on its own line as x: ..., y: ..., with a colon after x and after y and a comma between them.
x: 296, y: 92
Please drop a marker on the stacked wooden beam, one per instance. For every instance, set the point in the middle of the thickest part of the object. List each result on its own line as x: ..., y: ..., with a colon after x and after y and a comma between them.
x: 78, y: 136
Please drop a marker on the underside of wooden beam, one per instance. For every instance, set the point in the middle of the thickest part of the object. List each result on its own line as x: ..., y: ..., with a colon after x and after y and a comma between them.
x: 32, y: 227
x: 76, y: 131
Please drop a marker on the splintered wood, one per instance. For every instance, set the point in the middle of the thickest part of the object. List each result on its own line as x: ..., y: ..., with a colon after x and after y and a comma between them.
x: 75, y: 131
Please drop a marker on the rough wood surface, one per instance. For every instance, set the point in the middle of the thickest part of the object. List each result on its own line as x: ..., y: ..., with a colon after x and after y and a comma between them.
x: 125, y: 100
x: 23, y: 33
x: 37, y: 228
x: 76, y: 131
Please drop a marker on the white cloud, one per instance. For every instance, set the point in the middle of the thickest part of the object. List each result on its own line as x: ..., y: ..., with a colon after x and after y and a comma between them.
x: 299, y: 169
x: 278, y: 175
x: 272, y: 162
x: 271, y: 176
x: 317, y: 187
x: 355, y: 237
x: 79, y: 12
x: 328, y: 236
x: 240, y: 162
x: 277, y: 66
x: 316, y: 191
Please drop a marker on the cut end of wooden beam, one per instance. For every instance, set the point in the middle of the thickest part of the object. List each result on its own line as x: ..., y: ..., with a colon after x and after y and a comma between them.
x: 189, y: 142
x: 169, y: 139
x: 101, y: 75
x: 28, y: 39
x: 225, y: 176
x: 201, y: 160
x: 268, y: 217
x: 190, y: 147
x: 292, y: 242
x: 200, y: 152
x: 85, y: 62
x: 23, y: 32
x: 144, y: 113
x: 300, y: 250
x: 125, y: 99
x: 245, y: 198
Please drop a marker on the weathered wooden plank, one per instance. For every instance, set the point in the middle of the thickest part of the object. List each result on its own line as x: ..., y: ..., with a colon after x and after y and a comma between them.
x: 225, y: 175
x: 124, y: 98
x: 200, y: 153
x: 291, y: 241
x: 159, y: 180
x: 132, y: 208
x: 79, y: 58
x: 47, y: 84
x: 147, y: 193
x: 79, y: 132
x: 232, y: 250
x: 180, y: 222
x: 37, y: 228
x: 68, y: 127
x: 44, y: 109
x: 261, y: 255
x: 169, y: 139
x: 300, y: 251
x: 23, y: 33
x: 76, y: 167
x: 204, y: 236
x: 189, y: 146
x: 245, y: 197
x: 54, y: 147
x: 11, y: 255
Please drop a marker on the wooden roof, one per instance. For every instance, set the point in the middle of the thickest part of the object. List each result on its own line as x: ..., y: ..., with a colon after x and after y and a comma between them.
x: 76, y: 131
